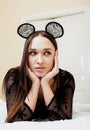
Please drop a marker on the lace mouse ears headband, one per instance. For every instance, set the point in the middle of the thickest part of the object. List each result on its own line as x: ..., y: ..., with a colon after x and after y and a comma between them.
x: 55, y: 29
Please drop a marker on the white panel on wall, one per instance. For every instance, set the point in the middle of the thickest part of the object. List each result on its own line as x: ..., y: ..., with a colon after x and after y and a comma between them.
x: 73, y: 47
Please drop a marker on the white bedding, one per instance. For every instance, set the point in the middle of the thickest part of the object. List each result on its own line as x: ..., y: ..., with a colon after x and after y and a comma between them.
x: 80, y: 120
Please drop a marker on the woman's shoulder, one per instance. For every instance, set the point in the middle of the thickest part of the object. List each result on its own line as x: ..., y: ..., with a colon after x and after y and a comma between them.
x: 12, y: 71
x: 67, y: 78
x: 12, y: 75
x: 65, y: 73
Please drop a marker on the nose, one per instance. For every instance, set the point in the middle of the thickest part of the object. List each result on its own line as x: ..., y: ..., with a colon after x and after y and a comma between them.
x: 40, y: 59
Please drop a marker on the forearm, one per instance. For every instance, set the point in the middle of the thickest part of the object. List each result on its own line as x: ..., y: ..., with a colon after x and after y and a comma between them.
x: 47, y: 93
x: 24, y: 112
x: 32, y: 96
x: 58, y: 111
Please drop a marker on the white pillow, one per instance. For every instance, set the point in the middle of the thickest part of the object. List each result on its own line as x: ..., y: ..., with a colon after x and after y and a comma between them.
x: 3, y: 111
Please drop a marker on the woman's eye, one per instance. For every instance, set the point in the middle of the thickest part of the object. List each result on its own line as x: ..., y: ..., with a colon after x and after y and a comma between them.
x: 47, y: 53
x: 32, y: 53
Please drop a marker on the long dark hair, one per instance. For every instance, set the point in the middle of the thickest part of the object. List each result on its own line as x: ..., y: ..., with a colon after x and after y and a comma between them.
x: 23, y: 80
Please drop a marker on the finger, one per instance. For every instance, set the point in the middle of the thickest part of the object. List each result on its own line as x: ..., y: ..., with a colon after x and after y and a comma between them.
x: 56, y: 60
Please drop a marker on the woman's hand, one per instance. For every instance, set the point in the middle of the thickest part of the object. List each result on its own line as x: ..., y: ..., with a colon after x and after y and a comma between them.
x: 52, y: 73
x: 31, y: 98
x: 32, y: 76
x: 48, y: 93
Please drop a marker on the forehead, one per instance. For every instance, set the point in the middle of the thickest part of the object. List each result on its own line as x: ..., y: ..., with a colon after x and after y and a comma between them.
x: 41, y: 42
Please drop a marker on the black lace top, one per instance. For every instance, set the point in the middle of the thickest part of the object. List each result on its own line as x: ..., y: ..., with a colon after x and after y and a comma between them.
x: 60, y: 107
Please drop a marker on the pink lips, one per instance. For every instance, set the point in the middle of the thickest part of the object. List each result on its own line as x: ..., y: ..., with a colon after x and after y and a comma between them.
x: 40, y: 69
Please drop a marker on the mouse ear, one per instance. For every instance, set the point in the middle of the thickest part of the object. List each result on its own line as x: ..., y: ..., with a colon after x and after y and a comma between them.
x: 25, y: 30
x: 55, y: 29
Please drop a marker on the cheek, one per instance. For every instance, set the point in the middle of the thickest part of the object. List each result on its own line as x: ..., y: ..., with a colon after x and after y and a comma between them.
x: 50, y: 63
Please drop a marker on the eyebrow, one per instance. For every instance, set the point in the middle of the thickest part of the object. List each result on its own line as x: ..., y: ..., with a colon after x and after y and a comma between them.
x: 43, y: 49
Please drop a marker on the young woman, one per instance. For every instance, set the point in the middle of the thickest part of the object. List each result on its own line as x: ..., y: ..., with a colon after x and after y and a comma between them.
x: 38, y: 89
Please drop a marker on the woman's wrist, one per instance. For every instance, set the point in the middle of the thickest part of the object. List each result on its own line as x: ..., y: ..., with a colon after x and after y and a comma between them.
x: 45, y: 81
x: 36, y: 84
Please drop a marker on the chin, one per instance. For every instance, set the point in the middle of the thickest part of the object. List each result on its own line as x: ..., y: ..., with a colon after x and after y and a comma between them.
x: 40, y: 75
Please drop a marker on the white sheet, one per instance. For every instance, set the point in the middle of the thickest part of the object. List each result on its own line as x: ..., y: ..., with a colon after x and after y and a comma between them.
x: 80, y: 121
x: 3, y: 112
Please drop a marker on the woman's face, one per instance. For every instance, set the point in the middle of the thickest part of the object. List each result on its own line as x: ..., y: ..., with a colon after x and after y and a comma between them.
x: 41, y: 56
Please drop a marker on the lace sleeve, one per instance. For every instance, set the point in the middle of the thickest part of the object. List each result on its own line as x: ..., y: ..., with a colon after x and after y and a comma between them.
x: 24, y: 113
x: 60, y: 106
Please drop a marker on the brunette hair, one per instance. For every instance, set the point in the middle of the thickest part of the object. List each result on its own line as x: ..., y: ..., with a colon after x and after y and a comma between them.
x: 22, y: 79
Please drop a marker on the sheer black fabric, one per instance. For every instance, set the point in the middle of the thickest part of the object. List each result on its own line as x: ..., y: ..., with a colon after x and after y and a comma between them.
x: 60, y: 107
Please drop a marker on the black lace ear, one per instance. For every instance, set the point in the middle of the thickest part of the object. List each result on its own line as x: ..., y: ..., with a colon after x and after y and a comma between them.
x: 25, y: 30
x: 55, y: 29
